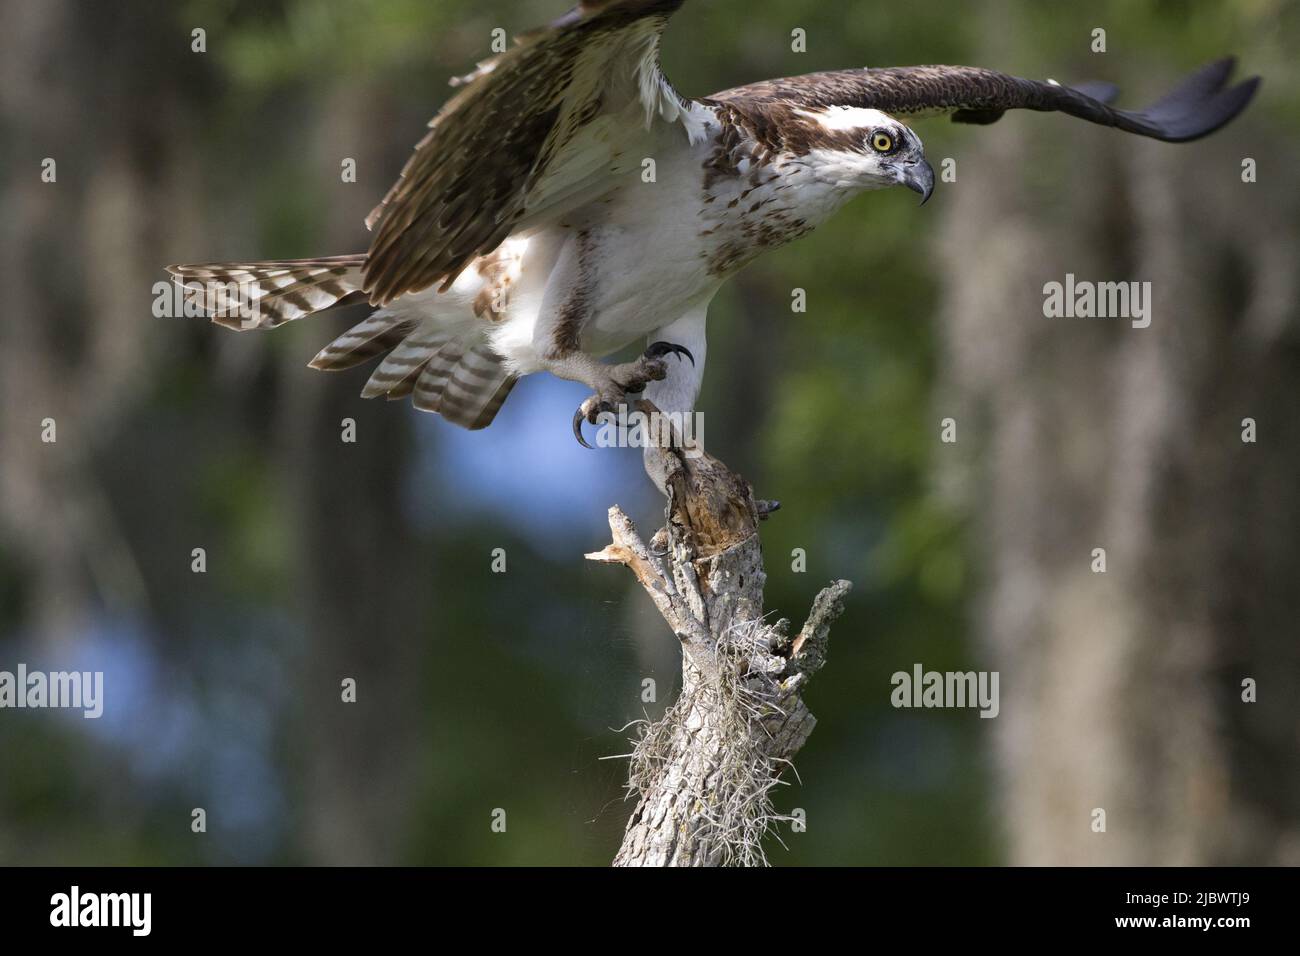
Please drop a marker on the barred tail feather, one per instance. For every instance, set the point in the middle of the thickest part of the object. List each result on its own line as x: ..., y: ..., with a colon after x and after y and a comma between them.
x: 444, y: 368
x: 465, y: 387
x: 396, y: 375
x: 452, y: 372
x: 377, y: 335
x: 263, y: 295
x: 433, y: 376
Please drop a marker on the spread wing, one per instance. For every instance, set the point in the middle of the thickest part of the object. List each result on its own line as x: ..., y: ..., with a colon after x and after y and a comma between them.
x: 536, y: 130
x: 1197, y: 106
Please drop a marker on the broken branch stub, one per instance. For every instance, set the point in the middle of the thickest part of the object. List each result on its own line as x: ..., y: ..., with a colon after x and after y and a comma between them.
x: 704, y: 772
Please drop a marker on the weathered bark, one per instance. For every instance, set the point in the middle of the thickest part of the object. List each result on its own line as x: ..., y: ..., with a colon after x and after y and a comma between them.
x: 705, y: 771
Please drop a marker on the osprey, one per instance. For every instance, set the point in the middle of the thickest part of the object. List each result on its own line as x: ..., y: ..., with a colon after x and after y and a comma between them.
x: 523, y: 236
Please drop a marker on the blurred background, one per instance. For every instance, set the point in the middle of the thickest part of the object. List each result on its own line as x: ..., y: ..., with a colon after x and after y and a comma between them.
x: 479, y: 690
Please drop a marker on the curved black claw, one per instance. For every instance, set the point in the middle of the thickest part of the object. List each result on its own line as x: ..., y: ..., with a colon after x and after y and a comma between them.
x: 578, y: 418
x: 660, y: 349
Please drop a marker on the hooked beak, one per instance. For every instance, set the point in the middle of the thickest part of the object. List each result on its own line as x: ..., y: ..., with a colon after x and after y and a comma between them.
x: 919, y: 178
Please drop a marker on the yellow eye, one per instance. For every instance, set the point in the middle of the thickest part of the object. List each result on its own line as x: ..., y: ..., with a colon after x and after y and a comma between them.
x: 881, y: 141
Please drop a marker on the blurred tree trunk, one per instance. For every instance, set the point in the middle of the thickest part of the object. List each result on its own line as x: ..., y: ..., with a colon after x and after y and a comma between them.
x: 359, y: 574
x: 78, y: 257
x: 360, y: 569
x: 1122, y: 689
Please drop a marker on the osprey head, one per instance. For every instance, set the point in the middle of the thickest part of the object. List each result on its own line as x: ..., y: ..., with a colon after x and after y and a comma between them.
x: 869, y: 148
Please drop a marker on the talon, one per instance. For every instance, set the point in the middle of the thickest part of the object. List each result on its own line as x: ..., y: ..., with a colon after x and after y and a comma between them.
x: 577, y: 427
x: 589, y: 411
x: 660, y: 349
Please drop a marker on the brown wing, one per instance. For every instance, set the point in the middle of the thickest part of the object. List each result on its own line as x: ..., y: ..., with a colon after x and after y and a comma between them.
x: 1199, y: 105
x: 518, y: 136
